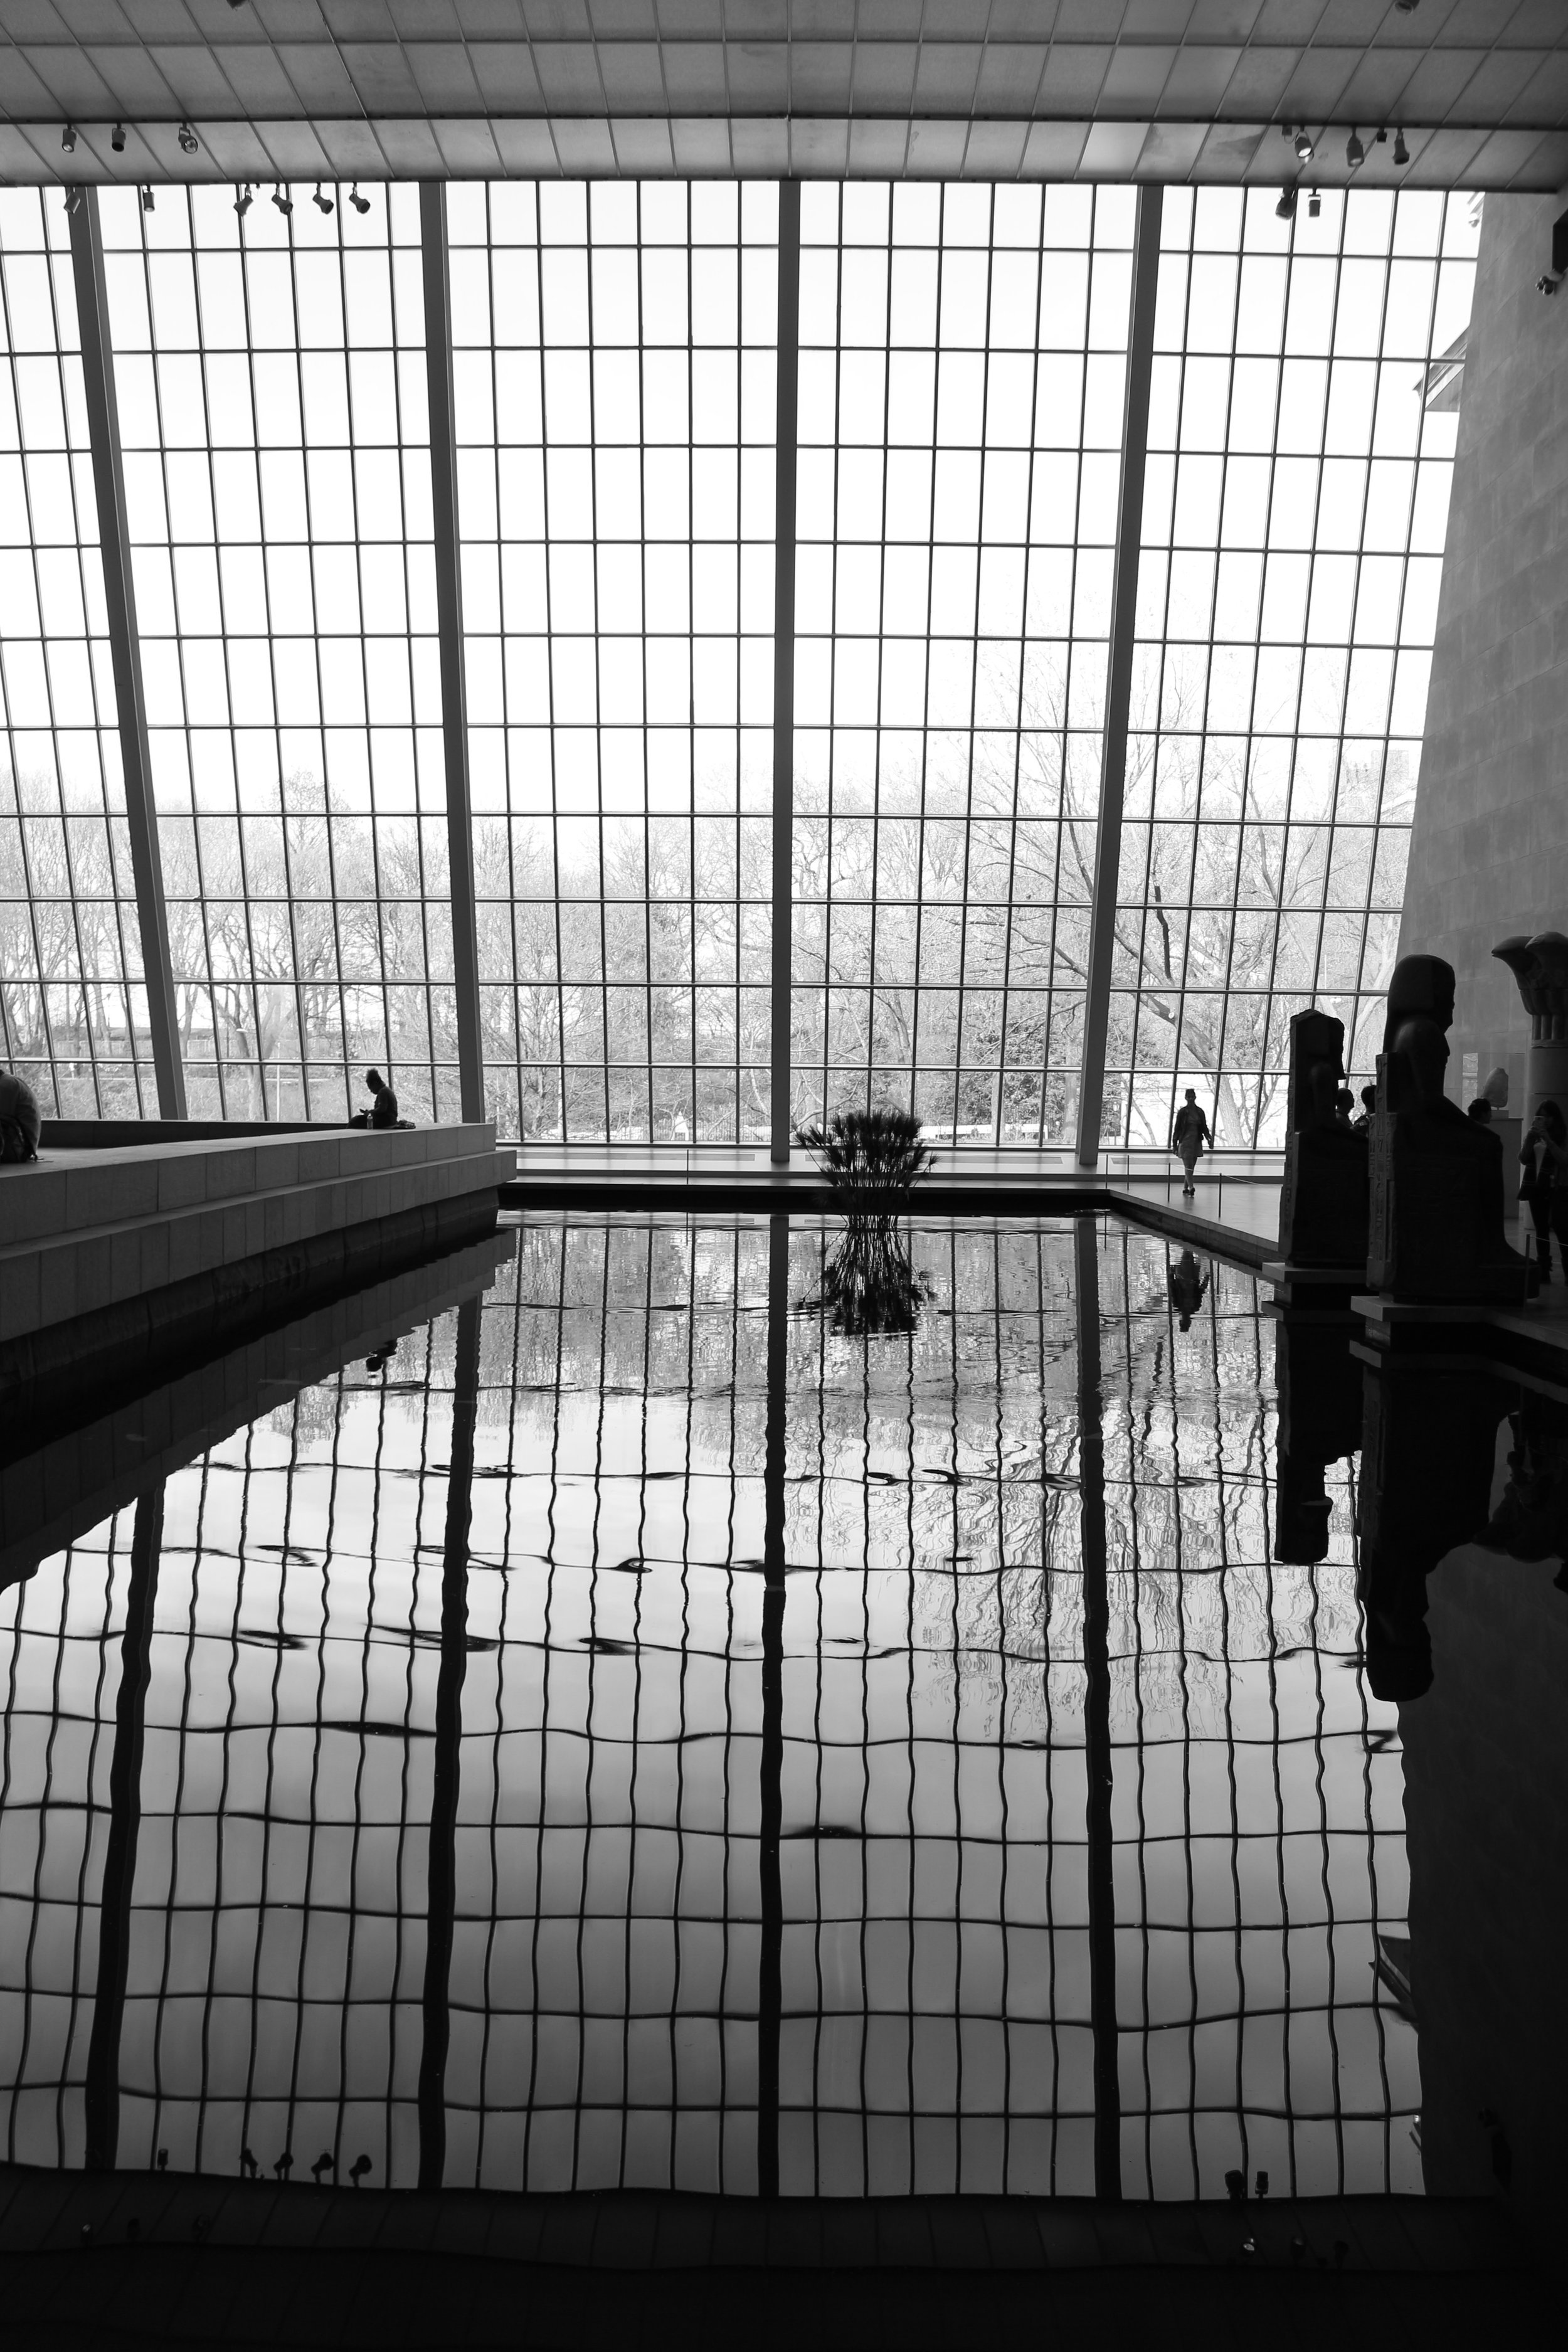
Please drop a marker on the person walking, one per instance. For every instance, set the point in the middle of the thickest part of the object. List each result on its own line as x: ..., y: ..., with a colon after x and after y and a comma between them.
x: 1544, y: 1158
x: 1189, y: 1136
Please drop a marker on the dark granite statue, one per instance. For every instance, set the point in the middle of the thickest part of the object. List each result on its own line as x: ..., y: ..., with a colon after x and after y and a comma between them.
x: 1437, y: 1224
x: 1318, y: 1384
x: 1428, y: 1450
x: 20, y: 1125
x: 1323, y: 1200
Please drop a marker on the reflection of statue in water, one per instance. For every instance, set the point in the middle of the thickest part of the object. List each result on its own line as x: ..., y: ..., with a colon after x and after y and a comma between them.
x: 1428, y: 1447
x: 20, y: 1125
x: 1319, y: 1385
x: 1437, y: 1226
x: 1186, y: 1288
x: 1323, y: 1199
x: 1531, y: 1521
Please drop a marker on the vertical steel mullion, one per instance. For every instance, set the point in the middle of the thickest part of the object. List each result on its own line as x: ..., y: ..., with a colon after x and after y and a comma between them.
x: 1223, y: 1037
x: 119, y: 596
x: 785, y: 433
x: 961, y: 1033
x: 829, y: 992
x: 1119, y: 685
x: 1098, y: 1762
x: 598, y: 653
x: 1018, y: 734
x: 449, y: 617
x: 691, y: 682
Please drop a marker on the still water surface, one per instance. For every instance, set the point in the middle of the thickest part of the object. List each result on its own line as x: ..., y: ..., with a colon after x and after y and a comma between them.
x: 631, y: 1733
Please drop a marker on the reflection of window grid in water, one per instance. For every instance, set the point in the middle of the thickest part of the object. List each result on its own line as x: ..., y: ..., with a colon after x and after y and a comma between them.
x: 304, y: 877
x: 1255, y: 1863
x: 626, y: 1349
x: 624, y: 893
x: 70, y: 932
x: 1315, y: 924
x: 935, y: 982
x: 62, y: 1630
x: 606, y: 1946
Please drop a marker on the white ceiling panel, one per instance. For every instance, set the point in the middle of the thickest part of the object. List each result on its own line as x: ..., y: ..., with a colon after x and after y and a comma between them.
x: 991, y: 87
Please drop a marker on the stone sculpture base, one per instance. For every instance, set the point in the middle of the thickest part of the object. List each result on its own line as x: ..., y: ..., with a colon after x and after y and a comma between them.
x: 1438, y: 1212
x: 1323, y: 1200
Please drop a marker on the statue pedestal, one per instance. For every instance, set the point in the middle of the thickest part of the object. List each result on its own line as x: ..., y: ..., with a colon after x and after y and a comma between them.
x: 1323, y: 1200
x: 1437, y: 1224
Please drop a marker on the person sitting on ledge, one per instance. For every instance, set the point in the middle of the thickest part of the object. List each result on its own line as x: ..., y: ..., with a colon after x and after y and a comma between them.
x: 1363, y: 1126
x: 20, y: 1126
x: 382, y: 1111
x: 1344, y: 1106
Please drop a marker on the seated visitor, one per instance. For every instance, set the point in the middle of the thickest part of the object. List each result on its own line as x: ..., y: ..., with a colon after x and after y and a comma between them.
x: 20, y: 1125
x: 382, y: 1111
x: 1344, y: 1108
x: 1368, y: 1105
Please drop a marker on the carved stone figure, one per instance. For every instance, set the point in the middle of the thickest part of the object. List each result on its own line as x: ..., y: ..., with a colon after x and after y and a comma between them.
x: 1540, y: 965
x: 20, y: 1125
x: 1436, y: 1224
x: 1323, y: 1199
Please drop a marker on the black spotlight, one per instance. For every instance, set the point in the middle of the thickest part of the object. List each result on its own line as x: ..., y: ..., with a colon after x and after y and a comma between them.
x: 1400, y: 152
x: 284, y: 204
x: 322, y: 204
x: 243, y: 198
x: 1304, y: 147
x: 1355, y: 153
x: 146, y: 200
x: 361, y: 204
x: 189, y: 143
x: 117, y: 139
x: 74, y: 194
x: 1285, y: 208
x: 1314, y: 204
x: 67, y: 138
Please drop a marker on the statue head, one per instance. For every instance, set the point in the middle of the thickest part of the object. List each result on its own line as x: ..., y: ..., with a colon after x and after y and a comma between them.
x: 1317, y: 1069
x: 1495, y: 1090
x: 1417, y: 1052
x: 1422, y: 986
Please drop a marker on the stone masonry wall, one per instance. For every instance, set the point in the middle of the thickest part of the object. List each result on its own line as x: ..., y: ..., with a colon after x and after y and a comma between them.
x: 1490, y: 852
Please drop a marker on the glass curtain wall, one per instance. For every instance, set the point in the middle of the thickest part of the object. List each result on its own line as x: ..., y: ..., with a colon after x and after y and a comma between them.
x: 614, y: 381
x: 270, y: 371
x: 961, y: 383
x: 73, y: 1012
x: 1301, y: 429
x: 963, y: 370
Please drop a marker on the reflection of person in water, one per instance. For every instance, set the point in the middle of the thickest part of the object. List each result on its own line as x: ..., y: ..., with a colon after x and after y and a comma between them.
x: 1186, y: 1288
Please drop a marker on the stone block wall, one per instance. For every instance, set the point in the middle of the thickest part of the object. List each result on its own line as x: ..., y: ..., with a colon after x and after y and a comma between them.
x: 1489, y: 851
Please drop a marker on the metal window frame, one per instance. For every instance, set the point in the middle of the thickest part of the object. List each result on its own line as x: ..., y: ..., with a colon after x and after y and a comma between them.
x: 1118, y: 685
x: 119, y: 598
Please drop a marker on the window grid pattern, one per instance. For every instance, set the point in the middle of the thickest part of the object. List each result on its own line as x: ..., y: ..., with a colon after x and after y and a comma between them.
x: 73, y: 1008
x: 936, y: 2033
x: 614, y: 368
x: 270, y: 375
x: 962, y: 387
x: 1301, y: 437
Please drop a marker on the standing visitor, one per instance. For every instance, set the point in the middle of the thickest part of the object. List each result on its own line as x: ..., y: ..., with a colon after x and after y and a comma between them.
x: 1189, y: 1136
x: 1544, y: 1158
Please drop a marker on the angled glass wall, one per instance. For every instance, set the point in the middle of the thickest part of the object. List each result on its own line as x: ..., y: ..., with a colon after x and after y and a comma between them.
x: 271, y: 373
x: 73, y: 1012
x: 1301, y: 429
x: 962, y: 364
x: 961, y: 382
x: 613, y: 370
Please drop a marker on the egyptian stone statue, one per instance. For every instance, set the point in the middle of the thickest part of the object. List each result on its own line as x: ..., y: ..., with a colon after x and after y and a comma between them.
x: 1323, y: 1200
x: 20, y: 1126
x: 1541, y: 966
x: 1437, y: 1226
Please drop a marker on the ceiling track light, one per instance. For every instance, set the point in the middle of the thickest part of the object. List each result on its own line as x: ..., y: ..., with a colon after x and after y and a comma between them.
x: 243, y: 199
x: 67, y: 138
x: 1314, y: 204
x: 322, y: 204
x: 189, y: 143
x: 117, y: 139
x: 284, y: 204
x: 1285, y: 208
x: 1305, y: 149
x: 361, y: 204
x: 1355, y: 153
x: 146, y: 200
x: 74, y: 195
x: 1400, y: 152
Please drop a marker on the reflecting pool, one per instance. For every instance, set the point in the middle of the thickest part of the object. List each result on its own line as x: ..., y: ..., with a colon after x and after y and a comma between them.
x: 629, y: 1730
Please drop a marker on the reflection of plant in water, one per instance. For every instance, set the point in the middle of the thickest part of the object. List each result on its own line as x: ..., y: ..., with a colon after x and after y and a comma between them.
x: 872, y: 1160
x: 869, y: 1284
